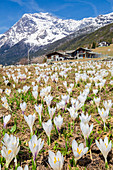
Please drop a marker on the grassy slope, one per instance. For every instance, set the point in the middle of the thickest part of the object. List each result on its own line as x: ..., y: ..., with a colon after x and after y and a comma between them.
x: 105, y: 50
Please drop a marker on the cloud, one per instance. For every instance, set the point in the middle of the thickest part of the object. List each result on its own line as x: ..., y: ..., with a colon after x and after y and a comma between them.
x: 61, y: 7
x: 20, y: 2
x: 111, y: 3
x: 3, y: 28
x: 85, y: 2
x: 92, y: 5
x: 31, y: 5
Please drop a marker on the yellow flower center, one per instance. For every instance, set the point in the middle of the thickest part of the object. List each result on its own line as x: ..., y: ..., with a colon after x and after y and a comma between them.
x: 9, y: 151
x: 106, y: 145
x: 55, y: 160
x: 6, y: 105
x: 79, y: 151
x: 7, y: 91
x: 34, y: 145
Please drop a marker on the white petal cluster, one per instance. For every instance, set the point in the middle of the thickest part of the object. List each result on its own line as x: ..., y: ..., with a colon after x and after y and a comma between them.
x: 85, y: 118
x: 104, y: 147
x: 58, y: 121
x: 10, y: 149
x: 47, y: 126
x: 56, y: 161
x: 6, y: 119
x: 86, y: 129
x: 30, y: 121
x: 78, y: 150
x: 35, y: 145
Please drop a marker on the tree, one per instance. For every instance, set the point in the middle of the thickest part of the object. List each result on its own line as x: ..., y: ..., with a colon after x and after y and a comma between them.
x: 94, y: 45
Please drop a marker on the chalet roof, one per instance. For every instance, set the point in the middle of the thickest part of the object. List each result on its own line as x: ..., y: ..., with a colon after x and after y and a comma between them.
x: 83, y: 49
x: 56, y: 52
x: 70, y: 51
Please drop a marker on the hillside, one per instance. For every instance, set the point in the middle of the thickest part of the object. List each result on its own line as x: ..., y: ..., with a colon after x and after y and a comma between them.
x: 105, y: 50
x: 103, y: 34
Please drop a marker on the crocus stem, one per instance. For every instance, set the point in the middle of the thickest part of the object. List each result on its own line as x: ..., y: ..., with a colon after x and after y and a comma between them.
x: 31, y: 132
x: 7, y: 164
x: 104, y: 126
x: 49, y: 140
x: 105, y: 160
x: 40, y: 122
x: 75, y: 162
x: 34, y: 164
x: 73, y: 124
x: 15, y: 162
x: 56, y: 130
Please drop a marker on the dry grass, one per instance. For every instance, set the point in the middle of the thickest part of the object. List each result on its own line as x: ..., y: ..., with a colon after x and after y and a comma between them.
x: 105, y: 50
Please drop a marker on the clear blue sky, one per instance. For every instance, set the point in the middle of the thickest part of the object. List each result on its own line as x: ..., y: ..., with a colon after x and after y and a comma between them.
x: 12, y: 10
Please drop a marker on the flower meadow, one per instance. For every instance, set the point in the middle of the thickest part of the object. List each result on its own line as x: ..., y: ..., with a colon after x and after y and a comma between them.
x: 57, y: 116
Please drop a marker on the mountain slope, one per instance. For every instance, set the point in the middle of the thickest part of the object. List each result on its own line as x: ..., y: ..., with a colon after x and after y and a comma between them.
x: 41, y: 30
x: 102, y: 34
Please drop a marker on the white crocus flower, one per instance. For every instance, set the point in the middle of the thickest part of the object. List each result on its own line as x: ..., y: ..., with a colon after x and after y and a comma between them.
x: 104, y: 147
x: 13, y: 143
x: 25, y: 168
x: 23, y: 107
x: 107, y: 104
x: 35, y: 146
x: 86, y: 130
x: 51, y: 112
x: 72, y: 85
x: 48, y: 100
x: 73, y: 101
x: 97, y: 101
x: 85, y: 118
x: 8, y: 91
x: 7, y: 153
x: 95, y: 91
x: 58, y: 122
x: 35, y: 88
x: 35, y: 94
x: 65, y: 98
x: 56, y: 161
x: 4, y: 99
x: 78, y: 151
x: 73, y: 112
x: 69, y: 90
x: 1, y: 90
x: 19, y: 91
x: 61, y: 105
x: 14, y: 86
x: 33, y: 83
x: 65, y: 84
x: 6, y: 105
x: 104, y: 114
x: 6, y: 119
x: 26, y: 88
x: 39, y: 110
x: 47, y: 126
x: 30, y: 121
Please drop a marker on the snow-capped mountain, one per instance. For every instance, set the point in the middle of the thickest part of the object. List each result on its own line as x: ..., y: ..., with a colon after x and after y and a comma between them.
x: 42, y: 28
x: 39, y: 30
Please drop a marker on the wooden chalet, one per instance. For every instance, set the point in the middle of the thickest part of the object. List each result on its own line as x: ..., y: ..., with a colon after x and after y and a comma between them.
x: 71, y: 55
x: 56, y: 56
x: 85, y: 53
